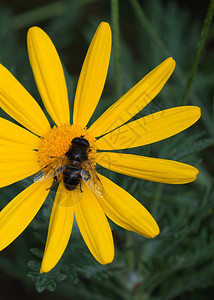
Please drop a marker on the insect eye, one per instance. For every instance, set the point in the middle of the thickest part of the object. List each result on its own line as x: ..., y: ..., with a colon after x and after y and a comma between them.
x: 80, y: 141
x: 76, y: 140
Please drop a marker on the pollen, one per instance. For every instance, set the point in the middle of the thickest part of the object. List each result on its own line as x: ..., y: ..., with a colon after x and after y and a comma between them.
x: 58, y: 140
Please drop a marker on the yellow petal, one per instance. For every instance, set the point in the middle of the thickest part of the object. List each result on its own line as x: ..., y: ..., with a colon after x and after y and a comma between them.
x: 48, y: 74
x: 12, y: 154
x: 20, y: 105
x: 16, y: 215
x: 59, y: 230
x: 11, y: 172
x: 94, y: 227
x: 126, y: 211
x: 151, y: 128
x: 15, y: 136
x: 134, y: 100
x: 93, y: 75
x: 153, y: 169
x: 18, y: 160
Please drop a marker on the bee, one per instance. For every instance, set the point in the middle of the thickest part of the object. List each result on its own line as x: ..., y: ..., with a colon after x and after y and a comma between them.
x: 72, y: 167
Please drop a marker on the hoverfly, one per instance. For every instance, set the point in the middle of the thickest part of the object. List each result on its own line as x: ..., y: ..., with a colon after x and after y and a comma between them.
x: 72, y: 167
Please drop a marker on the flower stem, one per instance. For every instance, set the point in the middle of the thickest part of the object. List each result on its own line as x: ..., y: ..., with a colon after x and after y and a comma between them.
x: 116, y: 46
x: 199, y: 48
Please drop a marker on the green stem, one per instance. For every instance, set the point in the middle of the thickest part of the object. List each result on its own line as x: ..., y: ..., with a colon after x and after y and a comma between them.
x: 116, y: 46
x: 146, y: 24
x: 206, y: 118
x: 199, y: 48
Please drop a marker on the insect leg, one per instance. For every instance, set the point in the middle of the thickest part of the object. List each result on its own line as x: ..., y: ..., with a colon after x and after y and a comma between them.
x: 55, y: 180
x: 81, y: 187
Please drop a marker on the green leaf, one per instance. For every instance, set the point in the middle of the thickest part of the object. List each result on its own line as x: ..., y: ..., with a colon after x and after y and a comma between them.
x: 34, y: 265
x: 196, y: 146
x: 37, y: 252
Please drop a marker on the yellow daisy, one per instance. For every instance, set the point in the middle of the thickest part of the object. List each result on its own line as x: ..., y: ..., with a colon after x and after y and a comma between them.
x: 24, y: 152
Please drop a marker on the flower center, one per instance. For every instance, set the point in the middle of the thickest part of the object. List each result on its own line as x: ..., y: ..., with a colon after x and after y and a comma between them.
x: 58, y: 140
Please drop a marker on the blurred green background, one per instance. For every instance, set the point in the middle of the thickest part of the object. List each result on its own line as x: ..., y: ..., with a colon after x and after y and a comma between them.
x: 179, y: 263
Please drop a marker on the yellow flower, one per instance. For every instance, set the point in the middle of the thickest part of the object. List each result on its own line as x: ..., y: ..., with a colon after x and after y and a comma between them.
x: 24, y: 152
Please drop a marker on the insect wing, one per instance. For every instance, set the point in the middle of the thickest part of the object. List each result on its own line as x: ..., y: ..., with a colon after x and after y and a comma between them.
x: 90, y: 176
x: 54, y: 168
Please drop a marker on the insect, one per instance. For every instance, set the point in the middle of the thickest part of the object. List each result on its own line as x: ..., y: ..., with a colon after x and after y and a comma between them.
x: 72, y: 167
